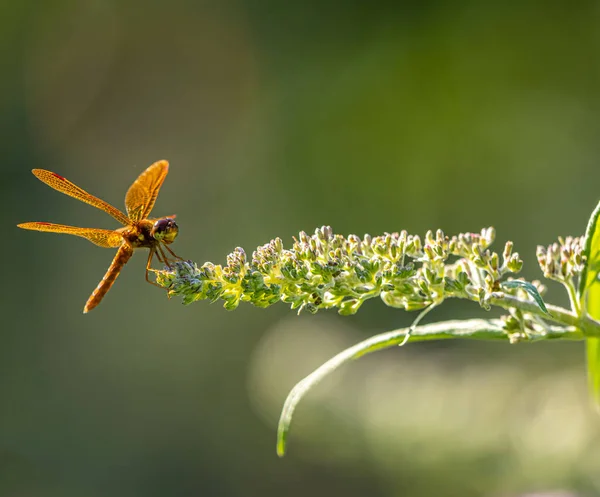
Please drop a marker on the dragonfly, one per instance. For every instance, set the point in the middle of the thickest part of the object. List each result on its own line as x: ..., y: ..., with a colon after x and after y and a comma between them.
x: 138, y: 231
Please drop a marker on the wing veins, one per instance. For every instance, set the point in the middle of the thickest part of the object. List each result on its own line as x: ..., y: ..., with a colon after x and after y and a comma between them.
x: 142, y: 194
x: 100, y: 237
x: 66, y: 187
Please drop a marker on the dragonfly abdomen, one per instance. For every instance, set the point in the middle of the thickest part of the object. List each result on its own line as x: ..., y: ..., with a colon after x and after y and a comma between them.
x: 123, y: 255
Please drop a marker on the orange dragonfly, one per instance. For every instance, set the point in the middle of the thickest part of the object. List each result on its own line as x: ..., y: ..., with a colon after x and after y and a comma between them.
x: 138, y: 231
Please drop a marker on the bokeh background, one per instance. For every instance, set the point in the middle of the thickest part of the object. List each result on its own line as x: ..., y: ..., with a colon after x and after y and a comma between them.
x: 279, y: 117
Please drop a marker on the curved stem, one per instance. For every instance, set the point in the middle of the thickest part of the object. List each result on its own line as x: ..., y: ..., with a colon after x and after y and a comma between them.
x: 472, y: 328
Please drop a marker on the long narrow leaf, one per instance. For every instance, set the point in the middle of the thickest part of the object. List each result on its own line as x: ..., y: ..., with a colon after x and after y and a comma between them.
x: 473, y: 328
x: 530, y: 289
x: 589, y: 296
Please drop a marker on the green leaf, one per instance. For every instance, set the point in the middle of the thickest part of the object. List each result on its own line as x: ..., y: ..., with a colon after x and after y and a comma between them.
x: 479, y: 329
x: 593, y: 362
x: 530, y: 289
x: 591, y: 251
x: 589, y: 299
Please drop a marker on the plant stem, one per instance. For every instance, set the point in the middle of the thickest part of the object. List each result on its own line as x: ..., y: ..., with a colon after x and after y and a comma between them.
x: 588, y: 326
x: 573, y: 296
x: 492, y: 329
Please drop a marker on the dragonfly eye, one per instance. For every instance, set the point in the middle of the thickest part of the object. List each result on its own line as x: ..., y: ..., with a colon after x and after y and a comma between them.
x: 165, y: 230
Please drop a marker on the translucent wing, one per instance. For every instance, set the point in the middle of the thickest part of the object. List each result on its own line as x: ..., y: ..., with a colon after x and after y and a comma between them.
x: 63, y: 185
x: 102, y: 238
x: 142, y: 193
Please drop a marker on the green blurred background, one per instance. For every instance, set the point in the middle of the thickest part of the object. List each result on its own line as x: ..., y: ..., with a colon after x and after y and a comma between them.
x: 279, y: 117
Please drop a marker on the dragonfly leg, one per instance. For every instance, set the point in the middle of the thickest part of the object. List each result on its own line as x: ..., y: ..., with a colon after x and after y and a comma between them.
x: 149, y: 268
x: 173, y: 253
x: 158, y: 256
x: 164, y: 260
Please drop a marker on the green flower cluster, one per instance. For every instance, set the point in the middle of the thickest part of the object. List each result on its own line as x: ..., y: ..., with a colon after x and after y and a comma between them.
x: 328, y: 270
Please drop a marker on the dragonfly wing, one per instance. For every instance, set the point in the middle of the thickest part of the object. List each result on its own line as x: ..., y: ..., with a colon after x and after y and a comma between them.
x: 63, y: 185
x: 142, y: 193
x: 102, y: 238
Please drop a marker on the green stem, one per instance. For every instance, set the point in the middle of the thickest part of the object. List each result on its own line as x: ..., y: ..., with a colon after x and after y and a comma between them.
x: 572, y: 291
x: 588, y: 326
x: 416, y: 322
x: 473, y: 328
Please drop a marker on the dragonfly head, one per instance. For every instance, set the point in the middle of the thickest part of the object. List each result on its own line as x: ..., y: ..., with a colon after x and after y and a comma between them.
x: 165, y: 230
